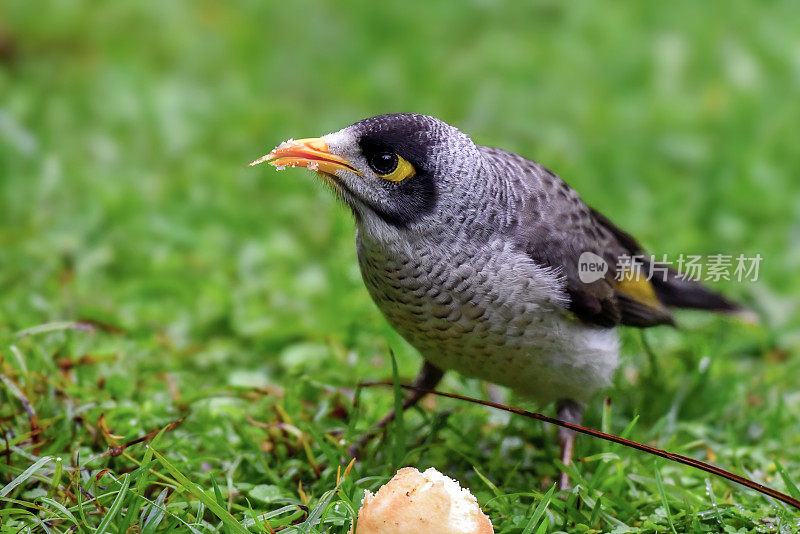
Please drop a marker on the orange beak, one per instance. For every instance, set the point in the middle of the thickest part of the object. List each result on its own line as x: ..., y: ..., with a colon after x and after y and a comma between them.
x: 311, y: 153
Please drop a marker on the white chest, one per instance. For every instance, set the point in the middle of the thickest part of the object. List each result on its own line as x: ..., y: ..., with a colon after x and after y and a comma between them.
x: 488, y: 312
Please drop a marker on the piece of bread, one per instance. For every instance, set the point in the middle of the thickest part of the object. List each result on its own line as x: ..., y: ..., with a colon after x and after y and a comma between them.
x: 421, y: 503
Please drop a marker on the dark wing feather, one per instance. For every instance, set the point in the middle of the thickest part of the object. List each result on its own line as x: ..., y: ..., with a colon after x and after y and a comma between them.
x: 556, y: 227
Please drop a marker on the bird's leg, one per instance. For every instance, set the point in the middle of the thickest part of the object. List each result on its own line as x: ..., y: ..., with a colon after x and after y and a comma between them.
x: 429, y: 376
x: 571, y: 412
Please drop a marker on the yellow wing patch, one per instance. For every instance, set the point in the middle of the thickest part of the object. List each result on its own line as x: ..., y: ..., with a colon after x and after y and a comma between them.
x: 635, y: 285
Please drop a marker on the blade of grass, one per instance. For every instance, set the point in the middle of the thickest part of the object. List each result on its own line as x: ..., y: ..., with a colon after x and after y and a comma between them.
x: 61, y: 508
x: 115, y: 506
x: 140, y: 477
x: 221, y: 501
x: 198, y: 492
x: 791, y: 487
x: 55, y: 327
x: 252, y: 515
x: 541, y: 508
x: 499, y: 496
x: 56, y: 478
x: 142, y: 481
x: 296, y: 513
x: 399, y: 448
x: 316, y: 513
x: 153, y: 515
x: 663, y: 494
x: 320, y: 508
x: 25, y: 475
x: 79, y: 496
x: 713, y: 498
x: 598, y: 506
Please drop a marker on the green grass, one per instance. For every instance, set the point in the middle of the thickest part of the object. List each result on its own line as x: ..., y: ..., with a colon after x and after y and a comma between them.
x: 228, y: 298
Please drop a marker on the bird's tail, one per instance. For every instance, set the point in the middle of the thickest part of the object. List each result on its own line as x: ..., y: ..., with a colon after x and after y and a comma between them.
x: 675, y: 290
x: 678, y: 291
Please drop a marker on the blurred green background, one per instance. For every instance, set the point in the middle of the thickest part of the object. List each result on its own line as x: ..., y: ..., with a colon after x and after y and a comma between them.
x: 125, y: 129
x: 125, y: 196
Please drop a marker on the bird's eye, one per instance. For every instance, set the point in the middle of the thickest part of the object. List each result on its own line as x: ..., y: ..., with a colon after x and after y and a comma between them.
x: 383, y: 162
x: 390, y: 166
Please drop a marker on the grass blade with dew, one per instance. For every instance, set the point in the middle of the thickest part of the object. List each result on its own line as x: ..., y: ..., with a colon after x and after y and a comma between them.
x: 25, y: 475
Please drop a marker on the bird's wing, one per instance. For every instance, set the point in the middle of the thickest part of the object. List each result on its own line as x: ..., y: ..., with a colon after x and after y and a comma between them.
x: 555, y: 227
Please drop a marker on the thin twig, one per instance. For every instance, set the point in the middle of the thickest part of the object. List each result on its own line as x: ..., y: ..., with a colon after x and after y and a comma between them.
x: 679, y: 458
x: 116, y: 450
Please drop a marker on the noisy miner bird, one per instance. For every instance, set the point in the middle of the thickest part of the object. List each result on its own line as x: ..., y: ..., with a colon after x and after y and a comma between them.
x: 488, y: 263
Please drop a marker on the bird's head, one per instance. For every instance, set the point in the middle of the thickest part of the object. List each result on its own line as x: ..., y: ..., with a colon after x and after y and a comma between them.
x: 400, y: 171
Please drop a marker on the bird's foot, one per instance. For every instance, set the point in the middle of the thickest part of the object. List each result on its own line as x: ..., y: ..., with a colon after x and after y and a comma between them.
x: 571, y: 412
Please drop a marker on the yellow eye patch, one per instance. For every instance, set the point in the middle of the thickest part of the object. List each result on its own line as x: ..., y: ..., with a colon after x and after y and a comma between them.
x: 403, y: 170
x: 390, y: 166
